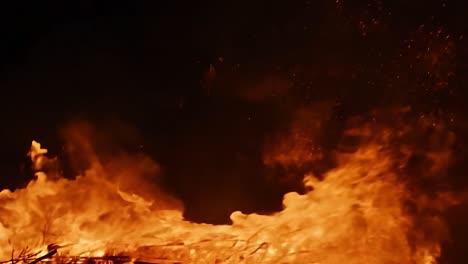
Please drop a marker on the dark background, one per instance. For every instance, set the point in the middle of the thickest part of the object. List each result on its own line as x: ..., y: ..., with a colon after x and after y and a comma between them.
x: 147, y: 63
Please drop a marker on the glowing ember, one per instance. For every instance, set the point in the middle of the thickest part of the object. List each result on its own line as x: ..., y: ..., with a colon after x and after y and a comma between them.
x: 357, y: 214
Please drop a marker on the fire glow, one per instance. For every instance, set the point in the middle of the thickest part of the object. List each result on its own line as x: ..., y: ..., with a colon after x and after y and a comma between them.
x: 358, y: 213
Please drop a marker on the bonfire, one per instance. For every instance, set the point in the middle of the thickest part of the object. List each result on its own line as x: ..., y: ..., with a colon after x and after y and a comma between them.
x: 362, y: 211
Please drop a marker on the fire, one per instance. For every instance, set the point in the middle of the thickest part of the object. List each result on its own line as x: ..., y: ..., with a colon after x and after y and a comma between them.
x: 360, y: 213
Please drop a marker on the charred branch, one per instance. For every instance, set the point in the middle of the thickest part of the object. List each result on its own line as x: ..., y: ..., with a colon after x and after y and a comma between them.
x: 46, y: 256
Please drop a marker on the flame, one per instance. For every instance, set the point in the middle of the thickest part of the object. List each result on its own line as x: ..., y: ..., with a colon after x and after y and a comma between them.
x: 359, y: 213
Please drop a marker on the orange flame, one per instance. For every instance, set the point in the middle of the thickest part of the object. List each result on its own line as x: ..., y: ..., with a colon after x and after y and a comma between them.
x: 357, y: 214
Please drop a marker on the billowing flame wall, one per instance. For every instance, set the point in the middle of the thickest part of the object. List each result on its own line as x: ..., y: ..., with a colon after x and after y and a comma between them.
x: 369, y: 209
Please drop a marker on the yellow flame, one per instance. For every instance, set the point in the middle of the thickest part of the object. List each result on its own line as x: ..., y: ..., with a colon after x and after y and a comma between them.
x: 355, y: 215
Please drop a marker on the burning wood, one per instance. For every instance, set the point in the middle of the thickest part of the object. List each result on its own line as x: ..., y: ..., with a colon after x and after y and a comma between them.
x: 30, y: 258
x: 88, y: 260
x: 52, y: 258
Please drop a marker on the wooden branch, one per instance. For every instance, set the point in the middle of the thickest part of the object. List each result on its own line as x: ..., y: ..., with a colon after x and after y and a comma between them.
x: 46, y: 256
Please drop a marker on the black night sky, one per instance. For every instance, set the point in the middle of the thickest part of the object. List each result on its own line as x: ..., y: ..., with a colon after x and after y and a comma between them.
x: 147, y: 64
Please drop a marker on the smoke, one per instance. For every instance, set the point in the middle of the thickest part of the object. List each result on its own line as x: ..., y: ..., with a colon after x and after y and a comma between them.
x: 114, y: 149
